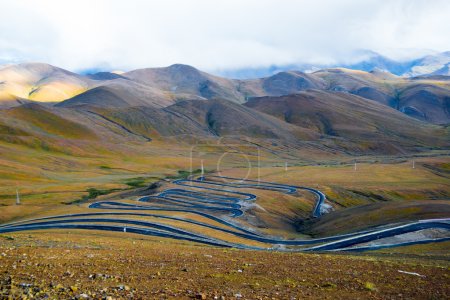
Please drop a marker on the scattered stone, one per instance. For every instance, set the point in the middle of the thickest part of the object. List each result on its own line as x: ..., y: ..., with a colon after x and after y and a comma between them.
x: 200, y: 296
x: 123, y: 287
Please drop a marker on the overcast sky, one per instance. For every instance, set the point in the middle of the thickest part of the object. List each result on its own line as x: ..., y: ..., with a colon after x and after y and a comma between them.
x: 217, y: 35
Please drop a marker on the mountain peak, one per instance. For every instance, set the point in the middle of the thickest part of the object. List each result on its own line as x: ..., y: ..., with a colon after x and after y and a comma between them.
x: 182, y: 67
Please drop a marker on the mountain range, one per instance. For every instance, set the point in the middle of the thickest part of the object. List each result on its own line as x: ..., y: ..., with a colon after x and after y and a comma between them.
x: 335, y: 110
x: 431, y: 64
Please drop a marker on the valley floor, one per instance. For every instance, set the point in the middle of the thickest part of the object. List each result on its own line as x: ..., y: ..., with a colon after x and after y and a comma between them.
x: 62, y: 264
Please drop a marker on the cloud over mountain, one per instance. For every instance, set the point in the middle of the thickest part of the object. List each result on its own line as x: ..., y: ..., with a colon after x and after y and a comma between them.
x: 216, y: 36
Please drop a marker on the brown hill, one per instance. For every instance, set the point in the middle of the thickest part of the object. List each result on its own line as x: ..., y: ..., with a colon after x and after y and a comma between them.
x: 215, y: 118
x: 185, y: 79
x: 283, y: 83
x: 351, y: 118
x: 121, y: 93
x: 424, y: 98
x: 426, y: 102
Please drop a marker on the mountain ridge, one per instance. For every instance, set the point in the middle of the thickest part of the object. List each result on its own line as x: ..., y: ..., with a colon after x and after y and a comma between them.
x: 426, y: 97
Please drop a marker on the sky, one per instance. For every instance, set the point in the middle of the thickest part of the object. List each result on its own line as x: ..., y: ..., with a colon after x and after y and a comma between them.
x: 218, y: 35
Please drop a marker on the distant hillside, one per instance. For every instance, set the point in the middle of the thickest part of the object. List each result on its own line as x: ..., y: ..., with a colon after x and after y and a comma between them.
x: 40, y: 82
x: 445, y: 70
x: 320, y: 121
x: 121, y: 93
x: 426, y: 99
x: 351, y: 118
x: 187, y: 80
x: 214, y: 118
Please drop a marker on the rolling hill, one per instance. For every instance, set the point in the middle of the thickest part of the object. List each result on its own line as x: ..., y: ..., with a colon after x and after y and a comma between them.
x: 120, y: 93
x: 425, y: 98
x: 40, y: 82
x: 185, y: 79
x: 352, y: 118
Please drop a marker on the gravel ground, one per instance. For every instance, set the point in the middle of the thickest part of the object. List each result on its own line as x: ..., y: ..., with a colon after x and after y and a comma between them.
x: 80, y: 265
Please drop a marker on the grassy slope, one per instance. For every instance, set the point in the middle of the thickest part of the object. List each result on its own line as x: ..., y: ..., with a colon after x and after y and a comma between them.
x: 55, y: 160
x: 378, y: 192
x: 43, y: 119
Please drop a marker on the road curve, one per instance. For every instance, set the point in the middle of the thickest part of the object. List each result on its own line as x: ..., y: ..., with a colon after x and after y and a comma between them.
x: 208, y: 197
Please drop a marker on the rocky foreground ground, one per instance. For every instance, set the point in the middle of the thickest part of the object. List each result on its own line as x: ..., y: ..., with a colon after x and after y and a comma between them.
x: 76, y: 265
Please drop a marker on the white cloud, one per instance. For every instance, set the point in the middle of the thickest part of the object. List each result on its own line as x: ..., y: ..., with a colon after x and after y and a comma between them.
x: 210, y: 35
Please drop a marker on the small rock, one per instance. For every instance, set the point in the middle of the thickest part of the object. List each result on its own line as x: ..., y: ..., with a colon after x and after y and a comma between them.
x: 123, y: 287
x: 200, y: 296
x: 84, y: 296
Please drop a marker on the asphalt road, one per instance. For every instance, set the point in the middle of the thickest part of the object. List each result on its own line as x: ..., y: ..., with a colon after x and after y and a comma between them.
x: 211, y: 199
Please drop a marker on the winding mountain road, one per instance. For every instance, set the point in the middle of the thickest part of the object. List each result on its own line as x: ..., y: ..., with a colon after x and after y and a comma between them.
x: 208, y: 198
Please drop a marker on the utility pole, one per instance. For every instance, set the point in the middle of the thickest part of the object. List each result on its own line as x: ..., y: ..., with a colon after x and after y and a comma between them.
x: 286, y: 166
x: 17, y: 197
x: 354, y: 168
x: 203, y: 169
x: 414, y: 164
